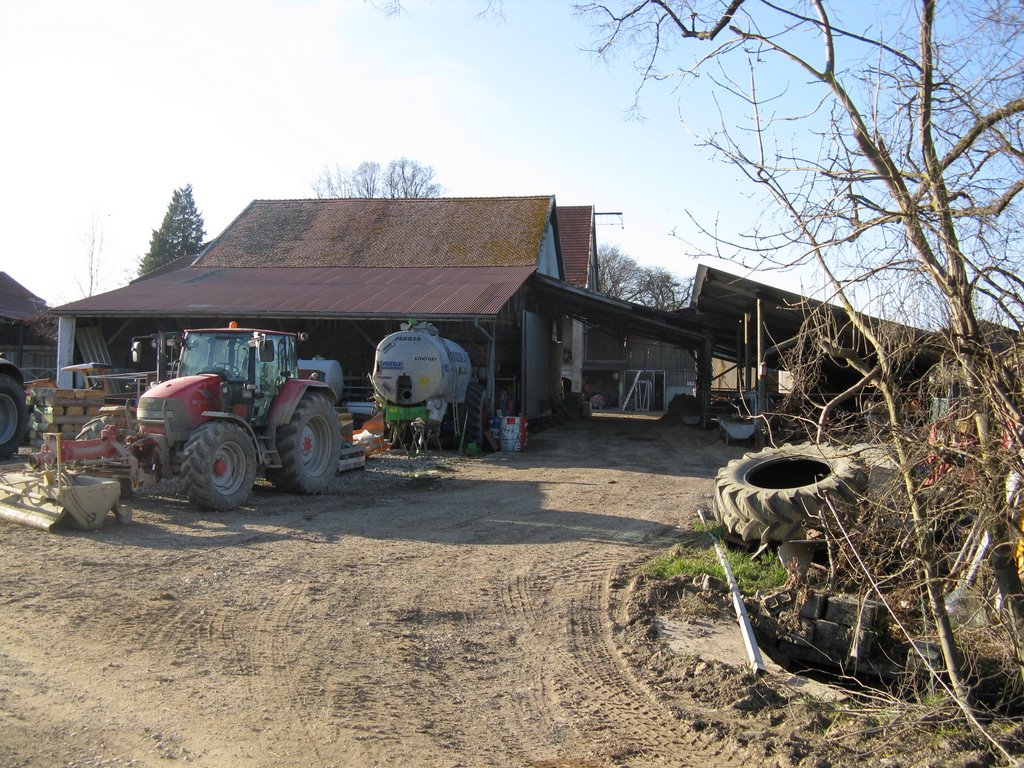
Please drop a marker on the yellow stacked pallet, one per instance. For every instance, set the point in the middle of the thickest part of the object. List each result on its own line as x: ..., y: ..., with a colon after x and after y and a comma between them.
x: 61, y: 410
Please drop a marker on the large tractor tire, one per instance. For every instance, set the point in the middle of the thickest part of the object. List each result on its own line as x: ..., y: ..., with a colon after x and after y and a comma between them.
x: 474, y: 413
x: 309, y: 446
x: 218, y: 466
x: 13, y: 415
x: 771, y: 495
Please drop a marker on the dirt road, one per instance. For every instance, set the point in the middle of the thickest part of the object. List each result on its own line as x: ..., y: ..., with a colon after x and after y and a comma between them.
x: 463, y: 616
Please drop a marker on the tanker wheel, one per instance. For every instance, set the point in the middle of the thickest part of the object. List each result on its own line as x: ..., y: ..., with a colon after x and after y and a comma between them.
x: 13, y: 415
x: 771, y: 495
x: 309, y: 446
x: 474, y: 413
x: 218, y: 466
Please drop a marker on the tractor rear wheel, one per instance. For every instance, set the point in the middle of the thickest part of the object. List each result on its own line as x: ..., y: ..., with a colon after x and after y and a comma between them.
x: 218, y: 466
x: 13, y: 415
x: 308, y: 445
x: 772, y: 495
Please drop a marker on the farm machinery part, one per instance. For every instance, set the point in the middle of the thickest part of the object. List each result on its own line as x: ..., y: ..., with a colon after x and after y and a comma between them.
x: 421, y: 380
x: 45, y: 499
x: 45, y: 493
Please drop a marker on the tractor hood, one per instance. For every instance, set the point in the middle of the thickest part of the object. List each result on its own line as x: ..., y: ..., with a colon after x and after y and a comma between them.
x: 190, y: 395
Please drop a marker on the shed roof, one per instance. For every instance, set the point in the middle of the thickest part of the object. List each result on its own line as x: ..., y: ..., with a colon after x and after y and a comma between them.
x: 428, y: 232
x: 423, y: 292
x: 17, y: 302
x: 722, y: 299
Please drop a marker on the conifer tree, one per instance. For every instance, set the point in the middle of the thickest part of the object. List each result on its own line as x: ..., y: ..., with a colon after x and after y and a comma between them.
x: 180, y: 234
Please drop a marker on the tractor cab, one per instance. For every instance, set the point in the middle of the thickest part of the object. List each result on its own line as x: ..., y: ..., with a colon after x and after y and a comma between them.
x: 252, y: 365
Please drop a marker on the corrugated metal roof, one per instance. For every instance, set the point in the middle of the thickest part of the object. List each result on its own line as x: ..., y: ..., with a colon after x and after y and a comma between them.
x: 17, y: 302
x: 427, y: 232
x: 324, y: 291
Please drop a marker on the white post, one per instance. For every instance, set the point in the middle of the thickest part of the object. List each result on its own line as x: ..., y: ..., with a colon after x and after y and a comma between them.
x: 65, y: 350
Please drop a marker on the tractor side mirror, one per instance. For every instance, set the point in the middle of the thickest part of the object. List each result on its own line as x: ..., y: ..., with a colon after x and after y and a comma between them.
x: 136, y: 351
x: 266, y: 351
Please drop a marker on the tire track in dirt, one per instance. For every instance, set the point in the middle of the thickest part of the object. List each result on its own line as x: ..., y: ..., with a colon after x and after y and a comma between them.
x: 645, y: 725
x: 348, y: 682
x: 589, y: 681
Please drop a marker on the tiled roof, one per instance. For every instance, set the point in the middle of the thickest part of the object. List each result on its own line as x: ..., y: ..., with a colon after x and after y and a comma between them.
x: 430, y: 232
x: 171, y: 266
x: 421, y: 292
x: 575, y: 228
x: 17, y: 302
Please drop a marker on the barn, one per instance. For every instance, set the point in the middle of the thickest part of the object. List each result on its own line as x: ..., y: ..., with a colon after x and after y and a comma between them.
x: 490, y: 273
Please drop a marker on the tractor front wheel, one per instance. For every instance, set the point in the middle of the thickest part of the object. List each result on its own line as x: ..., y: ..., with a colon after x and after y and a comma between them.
x: 308, y: 446
x: 218, y: 466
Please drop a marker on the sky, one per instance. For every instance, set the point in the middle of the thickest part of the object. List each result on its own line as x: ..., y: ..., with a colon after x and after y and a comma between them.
x: 113, y: 104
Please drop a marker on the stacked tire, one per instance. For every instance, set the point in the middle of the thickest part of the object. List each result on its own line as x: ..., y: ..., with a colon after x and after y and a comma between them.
x: 774, y: 495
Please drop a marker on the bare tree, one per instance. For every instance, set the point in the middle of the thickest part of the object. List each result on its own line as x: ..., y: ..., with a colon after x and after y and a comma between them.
x: 617, y: 273
x: 403, y: 178
x: 408, y: 178
x: 92, y: 242
x: 622, y: 277
x: 894, y: 156
x: 660, y: 289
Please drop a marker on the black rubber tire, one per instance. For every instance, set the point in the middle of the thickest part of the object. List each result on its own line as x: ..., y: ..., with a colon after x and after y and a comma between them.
x: 474, y: 413
x: 13, y: 416
x: 218, y: 466
x: 309, y: 446
x: 772, y: 495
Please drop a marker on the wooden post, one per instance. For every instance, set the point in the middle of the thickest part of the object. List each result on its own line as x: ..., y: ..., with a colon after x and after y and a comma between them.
x: 704, y: 377
x: 762, y: 374
x: 745, y: 352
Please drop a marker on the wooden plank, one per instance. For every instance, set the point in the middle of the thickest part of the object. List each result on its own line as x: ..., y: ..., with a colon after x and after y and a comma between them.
x: 42, y: 419
x: 49, y: 396
x: 351, y: 458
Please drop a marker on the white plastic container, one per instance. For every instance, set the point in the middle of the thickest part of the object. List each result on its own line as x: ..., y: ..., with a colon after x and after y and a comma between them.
x: 513, y: 433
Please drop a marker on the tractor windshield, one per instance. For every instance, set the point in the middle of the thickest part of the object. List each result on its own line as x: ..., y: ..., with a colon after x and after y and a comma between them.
x: 226, y: 354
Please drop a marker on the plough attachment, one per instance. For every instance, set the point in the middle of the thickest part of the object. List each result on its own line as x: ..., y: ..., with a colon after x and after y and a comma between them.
x: 44, y: 499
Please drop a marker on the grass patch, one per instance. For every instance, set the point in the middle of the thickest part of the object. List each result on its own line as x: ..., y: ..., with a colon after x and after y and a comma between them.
x: 698, y: 557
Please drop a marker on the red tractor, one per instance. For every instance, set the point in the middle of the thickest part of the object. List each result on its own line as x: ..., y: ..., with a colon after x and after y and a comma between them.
x: 232, y: 404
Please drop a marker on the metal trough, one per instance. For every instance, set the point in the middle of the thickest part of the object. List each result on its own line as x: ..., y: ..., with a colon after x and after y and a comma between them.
x: 734, y: 428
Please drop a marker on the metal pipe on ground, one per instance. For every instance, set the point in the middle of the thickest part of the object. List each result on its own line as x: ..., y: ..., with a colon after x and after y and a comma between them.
x: 749, y: 641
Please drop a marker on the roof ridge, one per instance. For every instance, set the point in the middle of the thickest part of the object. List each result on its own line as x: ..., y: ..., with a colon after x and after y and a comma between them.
x: 398, y: 199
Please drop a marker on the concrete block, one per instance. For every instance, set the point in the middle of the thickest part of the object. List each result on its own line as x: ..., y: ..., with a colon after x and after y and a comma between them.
x: 813, y: 606
x: 832, y: 639
x: 843, y: 609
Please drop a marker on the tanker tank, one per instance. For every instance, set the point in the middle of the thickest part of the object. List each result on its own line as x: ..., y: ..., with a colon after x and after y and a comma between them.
x: 420, y: 375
